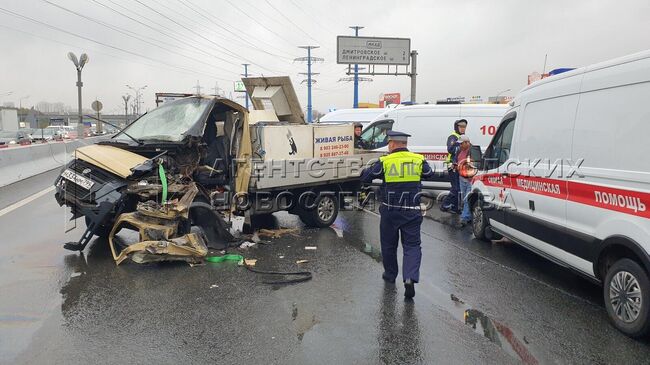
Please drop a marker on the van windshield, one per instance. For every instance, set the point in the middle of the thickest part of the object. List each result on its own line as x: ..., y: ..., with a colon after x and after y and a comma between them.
x: 169, y: 122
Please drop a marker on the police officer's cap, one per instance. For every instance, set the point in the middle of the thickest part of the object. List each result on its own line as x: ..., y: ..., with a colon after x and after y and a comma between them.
x: 397, y: 136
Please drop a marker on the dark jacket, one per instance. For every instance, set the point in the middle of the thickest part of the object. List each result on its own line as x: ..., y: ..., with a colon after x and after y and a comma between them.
x: 403, y: 194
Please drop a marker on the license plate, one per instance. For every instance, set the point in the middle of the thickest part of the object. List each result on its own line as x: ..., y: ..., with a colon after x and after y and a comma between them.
x: 78, y: 179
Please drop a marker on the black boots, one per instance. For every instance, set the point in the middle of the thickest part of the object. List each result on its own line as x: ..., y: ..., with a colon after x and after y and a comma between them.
x: 409, y: 289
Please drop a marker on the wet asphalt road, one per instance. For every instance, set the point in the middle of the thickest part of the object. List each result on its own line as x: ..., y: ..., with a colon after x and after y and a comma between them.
x: 477, y: 302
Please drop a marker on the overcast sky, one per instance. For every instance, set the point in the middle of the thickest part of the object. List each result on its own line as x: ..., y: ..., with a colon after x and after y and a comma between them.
x: 465, y: 48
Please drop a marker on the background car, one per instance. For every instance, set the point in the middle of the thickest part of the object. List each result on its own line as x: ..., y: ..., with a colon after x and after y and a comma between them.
x: 47, y: 134
x: 14, y: 138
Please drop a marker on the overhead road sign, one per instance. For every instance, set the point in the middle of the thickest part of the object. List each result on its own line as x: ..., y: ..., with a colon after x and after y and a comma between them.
x: 373, y: 50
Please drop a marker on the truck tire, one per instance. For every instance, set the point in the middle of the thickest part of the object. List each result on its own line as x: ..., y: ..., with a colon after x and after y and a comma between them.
x: 626, y: 293
x: 324, y: 213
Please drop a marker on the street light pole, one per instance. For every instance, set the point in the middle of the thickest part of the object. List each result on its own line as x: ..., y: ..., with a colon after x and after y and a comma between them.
x: 126, y: 108
x: 137, y: 97
x: 20, y: 101
x: 6, y: 94
x: 79, y: 65
x: 496, y: 99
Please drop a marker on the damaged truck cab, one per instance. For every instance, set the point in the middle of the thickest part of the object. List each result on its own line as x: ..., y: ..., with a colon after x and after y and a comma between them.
x: 209, y: 147
x: 192, y: 140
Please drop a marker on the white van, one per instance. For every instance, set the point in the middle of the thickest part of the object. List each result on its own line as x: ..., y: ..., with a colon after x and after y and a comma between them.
x: 430, y: 125
x: 591, y: 216
x: 359, y: 115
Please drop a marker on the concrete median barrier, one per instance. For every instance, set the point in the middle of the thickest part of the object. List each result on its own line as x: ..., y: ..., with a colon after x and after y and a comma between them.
x: 18, y: 163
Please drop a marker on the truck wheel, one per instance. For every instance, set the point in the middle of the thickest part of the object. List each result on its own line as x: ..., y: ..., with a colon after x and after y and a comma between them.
x: 626, y: 292
x: 324, y: 213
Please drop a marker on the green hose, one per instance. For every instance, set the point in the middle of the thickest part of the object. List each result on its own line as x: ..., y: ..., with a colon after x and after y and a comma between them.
x: 228, y: 257
x: 163, y: 181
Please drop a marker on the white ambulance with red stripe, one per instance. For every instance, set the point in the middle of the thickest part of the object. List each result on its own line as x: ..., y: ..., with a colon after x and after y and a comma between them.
x: 567, y: 175
x: 431, y: 124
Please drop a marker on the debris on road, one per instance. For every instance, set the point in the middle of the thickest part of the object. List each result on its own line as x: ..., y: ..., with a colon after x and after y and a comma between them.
x: 302, y: 261
x: 277, y: 233
x: 250, y: 262
x: 247, y: 244
x: 310, y: 247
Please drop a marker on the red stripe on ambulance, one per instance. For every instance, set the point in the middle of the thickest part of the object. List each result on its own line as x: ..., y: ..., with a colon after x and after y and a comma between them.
x: 605, y: 197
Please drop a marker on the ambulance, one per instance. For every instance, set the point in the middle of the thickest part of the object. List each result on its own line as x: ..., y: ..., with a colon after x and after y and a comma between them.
x: 430, y: 125
x: 566, y: 176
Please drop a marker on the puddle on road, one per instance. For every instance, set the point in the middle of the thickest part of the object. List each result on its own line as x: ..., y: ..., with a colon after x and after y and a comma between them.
x: 303, y: 321
x: 495, y: 331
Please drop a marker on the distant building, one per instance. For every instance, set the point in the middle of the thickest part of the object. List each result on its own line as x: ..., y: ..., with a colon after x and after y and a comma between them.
x: 8, y: 119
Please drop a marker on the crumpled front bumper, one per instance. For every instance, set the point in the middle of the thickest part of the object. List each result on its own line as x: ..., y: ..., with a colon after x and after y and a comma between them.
x: 100, y: 202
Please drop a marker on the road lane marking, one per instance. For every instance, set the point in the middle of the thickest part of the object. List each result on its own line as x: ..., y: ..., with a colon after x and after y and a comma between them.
x: 25, y: 201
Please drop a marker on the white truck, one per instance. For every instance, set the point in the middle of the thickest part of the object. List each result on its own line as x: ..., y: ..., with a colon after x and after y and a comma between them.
x: 242, y: 162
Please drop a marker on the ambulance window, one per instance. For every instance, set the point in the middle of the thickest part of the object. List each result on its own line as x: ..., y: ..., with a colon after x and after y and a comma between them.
x: 375, y: 135
x: 499, y: 150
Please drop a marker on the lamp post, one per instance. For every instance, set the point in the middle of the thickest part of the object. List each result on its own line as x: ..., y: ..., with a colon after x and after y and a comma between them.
x: 137, y: 97
x: 79, y: 65
x: 496, y: 99
x: 6, y: 94
x: 20, y: 101
x: 126, y: 108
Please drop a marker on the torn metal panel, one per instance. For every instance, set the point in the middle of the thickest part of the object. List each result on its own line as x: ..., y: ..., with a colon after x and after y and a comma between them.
x: 158, y: 231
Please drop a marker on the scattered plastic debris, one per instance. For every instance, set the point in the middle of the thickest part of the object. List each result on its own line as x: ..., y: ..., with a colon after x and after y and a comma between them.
x: 281, y: 256
x: 310, y: 247
x: 247, y: 244
x: 250, y: 262
x: 301, y: 261
x: 338, y: 230
x: 214, y: 286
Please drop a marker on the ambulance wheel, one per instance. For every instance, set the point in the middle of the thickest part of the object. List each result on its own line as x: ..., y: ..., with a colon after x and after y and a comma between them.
x: 324, y: 212
x: 626, y: 292
x: 479, y: 223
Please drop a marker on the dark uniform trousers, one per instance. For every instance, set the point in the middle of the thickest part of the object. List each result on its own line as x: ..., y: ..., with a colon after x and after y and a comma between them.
x: 396, y: 222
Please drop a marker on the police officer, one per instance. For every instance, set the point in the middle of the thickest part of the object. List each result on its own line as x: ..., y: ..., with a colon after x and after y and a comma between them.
x: 451, y: 202
x: 358, y: 142
x: 401, y: 172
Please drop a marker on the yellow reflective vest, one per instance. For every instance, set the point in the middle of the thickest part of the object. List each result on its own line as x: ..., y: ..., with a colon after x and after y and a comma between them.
x: 448, y: 160
x: 402, y: 166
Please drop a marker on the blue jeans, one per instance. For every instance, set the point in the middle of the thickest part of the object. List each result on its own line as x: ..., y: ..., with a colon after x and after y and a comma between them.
x: 465, y: 186
x: 452, y: 199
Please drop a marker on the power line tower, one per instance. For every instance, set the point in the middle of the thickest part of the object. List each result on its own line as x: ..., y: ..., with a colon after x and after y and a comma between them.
x: 356, y: 71
x: 245, y: 74
x: 310, y: 61
x: 198, y: 88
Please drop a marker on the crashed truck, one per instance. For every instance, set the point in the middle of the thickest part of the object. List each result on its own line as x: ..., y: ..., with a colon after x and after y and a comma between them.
x: 180, y: 173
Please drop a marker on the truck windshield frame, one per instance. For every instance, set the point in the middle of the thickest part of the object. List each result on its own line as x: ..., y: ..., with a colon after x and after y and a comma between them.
x: 170, y: 122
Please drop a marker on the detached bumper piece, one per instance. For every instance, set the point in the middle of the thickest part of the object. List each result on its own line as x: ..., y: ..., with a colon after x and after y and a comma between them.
x: 158, y: 228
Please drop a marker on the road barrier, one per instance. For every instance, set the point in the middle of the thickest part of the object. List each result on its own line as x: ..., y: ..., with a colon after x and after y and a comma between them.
x: 18, y: 163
